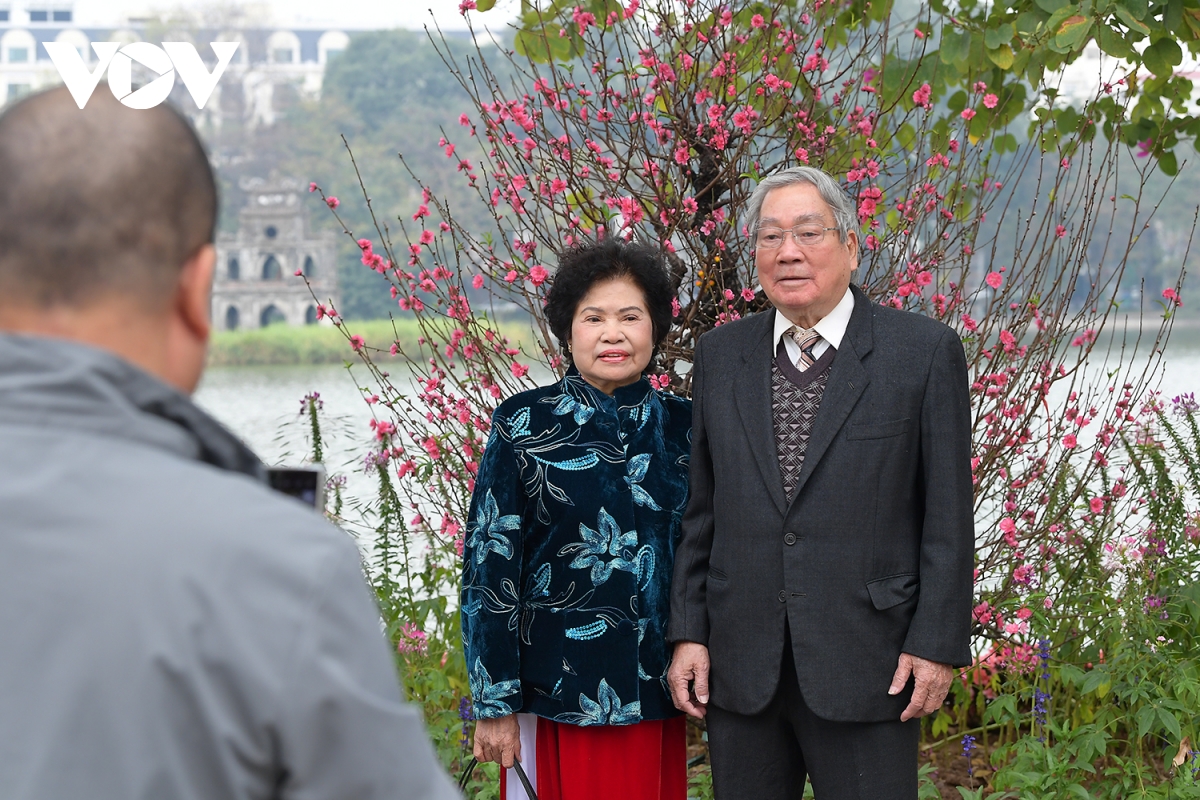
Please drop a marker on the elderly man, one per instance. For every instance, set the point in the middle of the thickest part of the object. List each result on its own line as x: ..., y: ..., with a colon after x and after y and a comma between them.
x: 822, y: 588
x: 171, y: 627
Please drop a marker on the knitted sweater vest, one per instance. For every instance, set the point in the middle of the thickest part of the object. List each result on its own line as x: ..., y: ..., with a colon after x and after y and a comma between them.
x: 795, y: 398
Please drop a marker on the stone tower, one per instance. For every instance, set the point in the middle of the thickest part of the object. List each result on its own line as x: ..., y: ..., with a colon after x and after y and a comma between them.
x: 256, y: 281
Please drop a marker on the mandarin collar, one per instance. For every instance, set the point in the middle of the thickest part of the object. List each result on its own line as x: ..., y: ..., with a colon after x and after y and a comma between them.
x: 628, y: 396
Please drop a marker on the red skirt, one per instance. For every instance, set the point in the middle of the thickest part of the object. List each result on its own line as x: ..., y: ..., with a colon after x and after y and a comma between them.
x: 646, y: 761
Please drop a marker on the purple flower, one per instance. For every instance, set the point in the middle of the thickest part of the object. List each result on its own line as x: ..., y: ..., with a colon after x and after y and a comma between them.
x: 968, y: 744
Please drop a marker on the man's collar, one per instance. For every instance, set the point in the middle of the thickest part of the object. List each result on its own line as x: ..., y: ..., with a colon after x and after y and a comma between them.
x: 832, y: 326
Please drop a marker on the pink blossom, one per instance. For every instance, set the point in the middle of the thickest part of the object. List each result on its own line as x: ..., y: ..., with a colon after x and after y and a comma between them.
x: 430, y: 445
x: 465, y: 6
x: 917, y: 32
x: 312, y: 187
x: 1096, y: 504
x: 477, y: 281
x: 757, y: 21
x: 921, y: 96
x: 538, y: 275
x: 519, y: 370
x: 423, y: 211
x: 357, y: 342
x: 748, y: 295
x: 1069, y: 441
x: 332, y: 202
x: 968, y: 114
x: 681, y: 155
x: 426, y: 237
x: 675, y: 309
x: 464, y: 120
x: 1060, y: 231
x: 994, y: 279
x: 990, y: 100
x: 510, y: 276
x: 1024, y: 613
x: 1172, y: 296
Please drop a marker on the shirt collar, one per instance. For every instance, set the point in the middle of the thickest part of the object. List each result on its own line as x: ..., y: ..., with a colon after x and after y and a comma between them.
x: 832, y: 326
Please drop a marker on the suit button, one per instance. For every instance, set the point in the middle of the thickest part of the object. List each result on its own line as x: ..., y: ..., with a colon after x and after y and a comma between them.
x: 783, y: 597
x: 789, y: 538
x: 625, y: 627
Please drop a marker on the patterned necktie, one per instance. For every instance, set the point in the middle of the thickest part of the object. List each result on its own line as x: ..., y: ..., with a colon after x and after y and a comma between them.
x: 806, y: 339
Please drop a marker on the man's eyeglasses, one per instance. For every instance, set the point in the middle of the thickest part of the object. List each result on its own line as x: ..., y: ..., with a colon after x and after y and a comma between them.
x: 807, y: 235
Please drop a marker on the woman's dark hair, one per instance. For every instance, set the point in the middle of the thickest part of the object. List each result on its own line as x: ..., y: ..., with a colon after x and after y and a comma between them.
x: 585, y: 265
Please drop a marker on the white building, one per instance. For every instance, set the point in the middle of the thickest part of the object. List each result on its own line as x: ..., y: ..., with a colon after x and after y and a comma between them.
x: 270, y: 67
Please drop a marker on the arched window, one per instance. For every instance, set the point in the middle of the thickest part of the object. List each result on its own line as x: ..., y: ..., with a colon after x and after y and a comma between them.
x: 310, y: 316
x: 231, y: 318
x: 271, y: 270
x: 310, y: 267
x: 234, y: 269
x: 271, y: 315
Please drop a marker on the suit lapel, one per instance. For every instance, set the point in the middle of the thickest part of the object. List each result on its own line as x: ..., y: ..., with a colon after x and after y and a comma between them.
x: 752, y: 393
x: 847, y: 380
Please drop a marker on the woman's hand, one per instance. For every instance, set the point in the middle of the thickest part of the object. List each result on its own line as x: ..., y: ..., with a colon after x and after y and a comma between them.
x: 498, y: 740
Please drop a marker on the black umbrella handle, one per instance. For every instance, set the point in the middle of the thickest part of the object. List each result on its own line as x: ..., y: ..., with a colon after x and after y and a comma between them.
x: 466, y: 777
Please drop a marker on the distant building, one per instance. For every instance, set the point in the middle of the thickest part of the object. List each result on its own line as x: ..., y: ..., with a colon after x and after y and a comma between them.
x: 271, y: 69
x: 256, y: 282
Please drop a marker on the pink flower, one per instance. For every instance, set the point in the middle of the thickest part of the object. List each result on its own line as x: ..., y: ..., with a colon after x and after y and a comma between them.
x: 1060, y: 231
x: 1096, y: 504
x: 312, y: 187
x: 994, y: 280
x: 519, y: 370
x: 423, y: 211
x: 431, y: 447
x: 510, y: 276
x: 1172, y: 296
x: 921, y: 96
x: 1069, y: 441
x: 477, y: 281
x: 426, y: 237
x: 917, y: 32
x: 681, y: 155
x: 538, y: 275
x: 332, y: 202
x: 1024, y: 613
x: 757, y: 21
x: 357, y: 342
x: 748, y: 295
x: 968, y: 114
x: 990, y: 100
x: 364, y: 245
x: 465, y: 6
x: 1065, y: 163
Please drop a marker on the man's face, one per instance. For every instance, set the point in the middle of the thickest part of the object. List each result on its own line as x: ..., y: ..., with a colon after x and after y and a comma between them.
x: 804, y: 282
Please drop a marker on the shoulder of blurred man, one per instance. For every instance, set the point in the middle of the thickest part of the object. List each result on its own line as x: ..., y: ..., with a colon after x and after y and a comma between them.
x: 199, y: 601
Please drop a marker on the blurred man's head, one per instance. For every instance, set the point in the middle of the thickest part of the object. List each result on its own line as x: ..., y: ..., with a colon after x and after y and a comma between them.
x: 107, y: 217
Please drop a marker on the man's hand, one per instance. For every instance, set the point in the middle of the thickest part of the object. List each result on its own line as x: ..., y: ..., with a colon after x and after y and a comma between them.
x: 932, y: 682
x: 689, y: 665
x: 498, y: 740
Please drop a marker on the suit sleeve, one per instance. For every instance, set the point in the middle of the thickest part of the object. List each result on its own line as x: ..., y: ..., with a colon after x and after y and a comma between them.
x: 343, y: 729
x: 689, y: 610
x: 940, y: 629
x: 492, y: 578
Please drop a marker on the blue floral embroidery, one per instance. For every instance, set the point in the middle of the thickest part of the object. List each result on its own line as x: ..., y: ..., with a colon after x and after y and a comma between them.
x: 596, y: 544
x: 637, y: 473
x: 487, y: 695
x: 606, y: 709
x: 488, y: 533
x: 569, y: 405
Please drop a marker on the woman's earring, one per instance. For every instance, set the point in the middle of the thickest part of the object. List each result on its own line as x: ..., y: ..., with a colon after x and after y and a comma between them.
x: 568, y: 347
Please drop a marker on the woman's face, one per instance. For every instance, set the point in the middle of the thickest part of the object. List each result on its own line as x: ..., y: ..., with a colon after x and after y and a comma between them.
x: 612, y: 337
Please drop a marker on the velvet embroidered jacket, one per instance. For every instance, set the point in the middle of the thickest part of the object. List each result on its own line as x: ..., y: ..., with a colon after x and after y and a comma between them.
x: 568, y: 558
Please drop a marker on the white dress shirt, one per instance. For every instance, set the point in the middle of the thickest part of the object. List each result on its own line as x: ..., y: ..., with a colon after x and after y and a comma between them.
x: 832, y: 328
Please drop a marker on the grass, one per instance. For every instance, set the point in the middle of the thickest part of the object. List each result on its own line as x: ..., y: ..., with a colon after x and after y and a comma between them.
x: 320, y: 344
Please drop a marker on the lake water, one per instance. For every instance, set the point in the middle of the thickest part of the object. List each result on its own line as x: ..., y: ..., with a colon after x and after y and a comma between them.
x: 262, y: 404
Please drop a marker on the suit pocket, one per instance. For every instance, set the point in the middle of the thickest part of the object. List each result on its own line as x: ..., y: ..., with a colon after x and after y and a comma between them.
x: 716, y: 574
x: 893, y: 590
x: 877, y: 430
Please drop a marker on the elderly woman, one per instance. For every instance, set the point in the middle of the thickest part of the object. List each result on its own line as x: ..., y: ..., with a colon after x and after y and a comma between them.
x: 568, y: 558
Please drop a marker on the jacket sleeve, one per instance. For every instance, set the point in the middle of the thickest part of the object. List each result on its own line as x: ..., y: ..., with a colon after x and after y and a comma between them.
x: 941, y: 624
x: 492, y: 556
x: 689, y: 610
x: 344, y: 730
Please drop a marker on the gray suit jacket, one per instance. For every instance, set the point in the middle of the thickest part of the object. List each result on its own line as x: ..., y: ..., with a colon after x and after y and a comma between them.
x: 873, y: 556
x: 170, y: 628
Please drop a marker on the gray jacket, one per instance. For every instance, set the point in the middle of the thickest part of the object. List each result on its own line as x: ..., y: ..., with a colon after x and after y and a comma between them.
x: 169, y: 627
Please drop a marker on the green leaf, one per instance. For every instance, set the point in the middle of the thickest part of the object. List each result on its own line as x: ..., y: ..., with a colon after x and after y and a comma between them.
x: 1169, y: 722
x: 1168, y: 164
x: 956, y: 45
x: 1073, y: 32
x: 1129, y: 19
x: 1162, y: 57
x: 485, y: 5
x: 1002, y: 56
x: 1050, y: 6
x: 995, y: 37
x: 1112, y: 42
x: 1145, y: 718
x: 1139, y: 8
